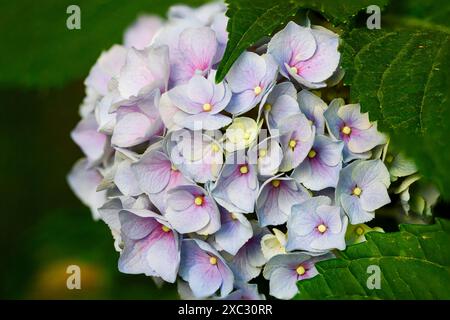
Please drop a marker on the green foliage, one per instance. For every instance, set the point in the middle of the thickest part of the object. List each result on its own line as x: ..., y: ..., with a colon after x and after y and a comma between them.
x: 39, y: 51
x: 252, y: 20
x: 401, y: 78
x: 414, y: 264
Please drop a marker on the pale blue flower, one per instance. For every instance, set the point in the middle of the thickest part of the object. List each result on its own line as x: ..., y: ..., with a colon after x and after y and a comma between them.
x: 250, y: 78
x: 316, y: 226
x: 321, y: 167
x: 362, y: 188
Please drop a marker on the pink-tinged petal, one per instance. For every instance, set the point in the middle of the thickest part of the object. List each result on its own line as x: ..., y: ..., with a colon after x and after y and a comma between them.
x: 196, y: 50
x: 187, y: 218
x: 106, y: 67
x: 291, y: 45
x: 132, y: 129
x: 351, y: 115
x: 181, y: 100
x: 167, y: 111
x: 164, y: 255
x: 125, y: 180
x: 153, y: 172
x: 134, y: 259
x: 200, y: 90
x: 325, y: 60
x: 140, y: 34
x: 83, y: 180
x: 246, y: 72
x: 144, y: 70
x: 364, y: 140
x: 92, y: 143
x: 374, y: 196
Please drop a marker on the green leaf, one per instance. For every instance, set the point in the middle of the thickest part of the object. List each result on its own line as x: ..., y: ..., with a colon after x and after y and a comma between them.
x: 414, y: 264
x: 401, y: 78
x: 250, y: 21
x: 39, y: 51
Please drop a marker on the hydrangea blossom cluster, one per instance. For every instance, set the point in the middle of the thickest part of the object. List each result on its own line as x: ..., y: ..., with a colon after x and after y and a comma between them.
x: 212, y: 185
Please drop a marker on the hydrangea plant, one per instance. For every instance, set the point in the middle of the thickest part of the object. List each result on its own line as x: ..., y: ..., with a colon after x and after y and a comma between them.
x: 214, y: 185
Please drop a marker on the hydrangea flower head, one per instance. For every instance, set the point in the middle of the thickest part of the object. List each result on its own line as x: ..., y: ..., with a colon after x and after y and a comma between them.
x: 308, y: 55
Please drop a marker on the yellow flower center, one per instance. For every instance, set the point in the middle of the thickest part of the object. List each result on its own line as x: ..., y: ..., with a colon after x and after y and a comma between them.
x: 301, y: 270
x: 233, y: 216
x: 294, y: 70
x: 276, y: 183
x: 246, y: 135
x: 346, y: 130
x: 359, y: 231
x: 257, y: 90
x: 322, y: 228
x: 207, y: 107
x: 215, y: 148
x: 173, y: 168
x: 243, y: 169
x: 312, y: 154
x: 198, y: 201
x: 213, y: 260
x: 357, y: 191
x: 267, y: 107
x: 165, y: 228
x: 262, y: 153
x: 292, y: 143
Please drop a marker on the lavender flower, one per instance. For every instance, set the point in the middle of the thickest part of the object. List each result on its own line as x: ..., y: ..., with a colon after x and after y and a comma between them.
x: 285, y: 270
x: 276, y: 198
x: 321, y: 167
x: 204, y: 269
x: 150, y: 245
x: 308, y: 55
x: 362, y: 188
x: 191, y: 209
x: 250, y: 78
x: 347, y: 123
x: 316, y: 226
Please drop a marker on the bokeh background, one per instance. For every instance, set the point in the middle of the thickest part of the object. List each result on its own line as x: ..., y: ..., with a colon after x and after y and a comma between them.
x: 44, y: 228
